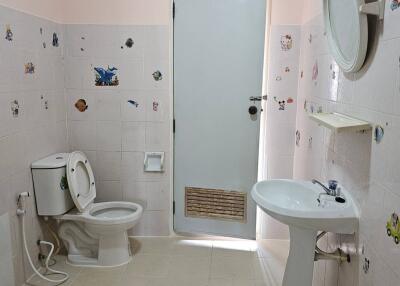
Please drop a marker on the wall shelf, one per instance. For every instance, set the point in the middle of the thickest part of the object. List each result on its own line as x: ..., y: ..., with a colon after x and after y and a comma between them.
x: 340, y: 122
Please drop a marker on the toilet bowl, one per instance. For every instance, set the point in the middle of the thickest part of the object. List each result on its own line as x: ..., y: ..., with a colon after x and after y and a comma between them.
x: 95, y: 234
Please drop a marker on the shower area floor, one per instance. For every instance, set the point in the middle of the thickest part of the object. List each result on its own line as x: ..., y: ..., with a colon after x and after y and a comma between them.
x: 187, y: 261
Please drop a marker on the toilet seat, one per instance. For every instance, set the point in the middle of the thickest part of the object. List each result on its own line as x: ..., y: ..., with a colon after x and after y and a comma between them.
x: 83, y: 192
x: 107, y: 213
x: 80, y: 180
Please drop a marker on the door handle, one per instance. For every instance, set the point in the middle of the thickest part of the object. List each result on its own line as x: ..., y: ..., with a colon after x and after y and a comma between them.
x: 255, y: 98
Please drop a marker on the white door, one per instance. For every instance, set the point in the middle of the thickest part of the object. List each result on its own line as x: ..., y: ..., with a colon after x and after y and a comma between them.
x: 218, y: 66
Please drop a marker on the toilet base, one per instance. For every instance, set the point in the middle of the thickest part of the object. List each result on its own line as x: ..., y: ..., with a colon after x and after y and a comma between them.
x: 83, y: 261
x: 88, y: 250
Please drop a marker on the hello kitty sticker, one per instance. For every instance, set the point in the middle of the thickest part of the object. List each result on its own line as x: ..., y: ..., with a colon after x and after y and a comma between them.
x: 286, y: 42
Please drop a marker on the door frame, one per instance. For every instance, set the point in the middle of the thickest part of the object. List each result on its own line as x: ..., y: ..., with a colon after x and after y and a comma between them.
x: 171, y: 118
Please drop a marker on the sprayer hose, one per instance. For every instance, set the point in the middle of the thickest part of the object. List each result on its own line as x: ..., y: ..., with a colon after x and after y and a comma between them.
x: 51, y: 271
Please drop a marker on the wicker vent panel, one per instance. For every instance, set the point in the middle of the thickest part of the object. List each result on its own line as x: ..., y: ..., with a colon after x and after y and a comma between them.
x: 215, y: 204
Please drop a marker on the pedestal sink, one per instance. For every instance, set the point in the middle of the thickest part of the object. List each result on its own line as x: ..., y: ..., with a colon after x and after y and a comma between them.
x: 295, y: 203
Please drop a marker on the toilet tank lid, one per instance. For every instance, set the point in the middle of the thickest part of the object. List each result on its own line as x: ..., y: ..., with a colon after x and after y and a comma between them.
x: 54, y: 161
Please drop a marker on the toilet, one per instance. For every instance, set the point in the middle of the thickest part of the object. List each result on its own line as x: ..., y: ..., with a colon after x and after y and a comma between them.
x: 95, y: 234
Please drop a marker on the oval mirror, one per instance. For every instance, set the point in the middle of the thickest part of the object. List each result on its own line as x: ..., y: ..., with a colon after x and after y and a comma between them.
x: 347, y: 31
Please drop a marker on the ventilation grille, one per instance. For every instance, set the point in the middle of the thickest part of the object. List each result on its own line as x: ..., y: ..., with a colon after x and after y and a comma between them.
x: 215, y: 204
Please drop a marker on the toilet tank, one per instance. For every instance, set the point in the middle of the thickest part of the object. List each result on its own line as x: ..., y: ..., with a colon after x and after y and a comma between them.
x: 51, y: 186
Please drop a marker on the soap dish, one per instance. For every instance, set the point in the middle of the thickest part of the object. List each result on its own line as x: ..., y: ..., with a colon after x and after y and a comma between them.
x: 154, y: 162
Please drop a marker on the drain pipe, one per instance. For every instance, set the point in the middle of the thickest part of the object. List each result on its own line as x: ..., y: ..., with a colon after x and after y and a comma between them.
x: 323, y: 255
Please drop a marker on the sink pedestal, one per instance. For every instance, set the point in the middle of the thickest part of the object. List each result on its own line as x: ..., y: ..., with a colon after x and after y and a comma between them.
x: 300, y: 263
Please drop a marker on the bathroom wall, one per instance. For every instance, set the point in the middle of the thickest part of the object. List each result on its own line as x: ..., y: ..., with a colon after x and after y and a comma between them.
x: 122, y: 121
x: 287, y: 12
x: 117, y: 12
x: 32, y: 117
x: 113, y: 132
x: 283, y: 66
x: 47, y: 9
x: 368, y: 169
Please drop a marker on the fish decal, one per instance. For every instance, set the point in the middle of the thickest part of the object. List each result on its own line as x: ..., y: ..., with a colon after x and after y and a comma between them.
x: 134, y: 103
x: 106, y: 77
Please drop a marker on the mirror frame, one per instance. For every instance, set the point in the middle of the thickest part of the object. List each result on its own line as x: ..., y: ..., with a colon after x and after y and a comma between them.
x: 356, y: 63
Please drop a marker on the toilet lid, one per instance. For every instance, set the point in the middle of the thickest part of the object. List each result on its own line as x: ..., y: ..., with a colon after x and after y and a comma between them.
x: 80, y: 180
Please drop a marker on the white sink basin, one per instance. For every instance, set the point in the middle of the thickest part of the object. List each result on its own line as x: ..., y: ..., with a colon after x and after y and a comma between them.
x: 295, y: 203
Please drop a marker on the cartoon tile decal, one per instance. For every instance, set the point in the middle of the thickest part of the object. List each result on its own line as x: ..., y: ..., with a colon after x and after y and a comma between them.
x: 310, y: 38
x: 395, y: 4
x: 9, y: 34
x: 44, y: 45
x: 134, y: 103
x: 278, y: 78
x: 29, y: 68
x: 298, y: 137
x: 379, y: 132
x: 81, y: 105
x: 281, y: 103
x: 106, y: 77
x: 55, y: 40
x: 83, y: 38
x: 393, y: 227
x: 155, y: 106
x: 287, y: 69
x: 315, y: 71
x: 286, y: 42
x: 45, y: 102
x: 157, y: 75
x: 15, y: 108
x: 366, y: 265
x: 129, y: 43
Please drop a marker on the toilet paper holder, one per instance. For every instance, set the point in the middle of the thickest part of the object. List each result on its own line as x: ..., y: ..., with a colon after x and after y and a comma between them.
x: 154, y: 161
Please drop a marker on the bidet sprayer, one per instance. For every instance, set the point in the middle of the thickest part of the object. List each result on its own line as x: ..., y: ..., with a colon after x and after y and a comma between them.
x: 21, y: 199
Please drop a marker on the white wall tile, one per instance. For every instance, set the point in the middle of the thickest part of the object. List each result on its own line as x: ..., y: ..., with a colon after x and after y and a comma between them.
x: 131, y: 111
x: 107, y: 104
x: 133, y: 136
x: 108, y: 166
x: 157, y: 136
x: 108, y: 191
x: 108, y: 135
x: 82, y: 135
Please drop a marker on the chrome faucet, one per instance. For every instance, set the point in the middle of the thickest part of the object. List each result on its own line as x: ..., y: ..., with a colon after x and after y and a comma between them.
x: 333, y: 190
